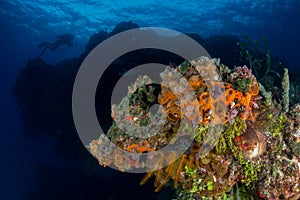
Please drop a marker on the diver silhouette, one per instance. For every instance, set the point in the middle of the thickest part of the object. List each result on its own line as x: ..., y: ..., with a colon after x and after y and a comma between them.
x: 63, y: 39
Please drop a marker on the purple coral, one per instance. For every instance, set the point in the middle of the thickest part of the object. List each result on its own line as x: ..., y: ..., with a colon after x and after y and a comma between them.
x: 231, y: 114
x: 242, y: 72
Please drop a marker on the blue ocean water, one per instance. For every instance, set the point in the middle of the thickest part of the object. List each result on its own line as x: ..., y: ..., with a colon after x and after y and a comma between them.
x: 26, y: 23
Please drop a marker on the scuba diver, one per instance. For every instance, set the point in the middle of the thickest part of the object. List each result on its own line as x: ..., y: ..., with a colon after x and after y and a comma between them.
x: 63, y: 39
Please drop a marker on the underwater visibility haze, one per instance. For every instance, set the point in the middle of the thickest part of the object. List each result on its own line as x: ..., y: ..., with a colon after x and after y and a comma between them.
x: 248, y: 91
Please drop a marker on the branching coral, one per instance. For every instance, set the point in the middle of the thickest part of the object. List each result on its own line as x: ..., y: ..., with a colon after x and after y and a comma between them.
x: 258, y: 56
x: 162, y: 176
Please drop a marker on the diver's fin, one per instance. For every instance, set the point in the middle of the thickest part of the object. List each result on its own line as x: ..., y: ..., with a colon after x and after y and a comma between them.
x: 41, y: 45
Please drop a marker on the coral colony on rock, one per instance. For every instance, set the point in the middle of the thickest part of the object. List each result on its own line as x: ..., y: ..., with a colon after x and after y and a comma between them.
x: 256, y: 154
